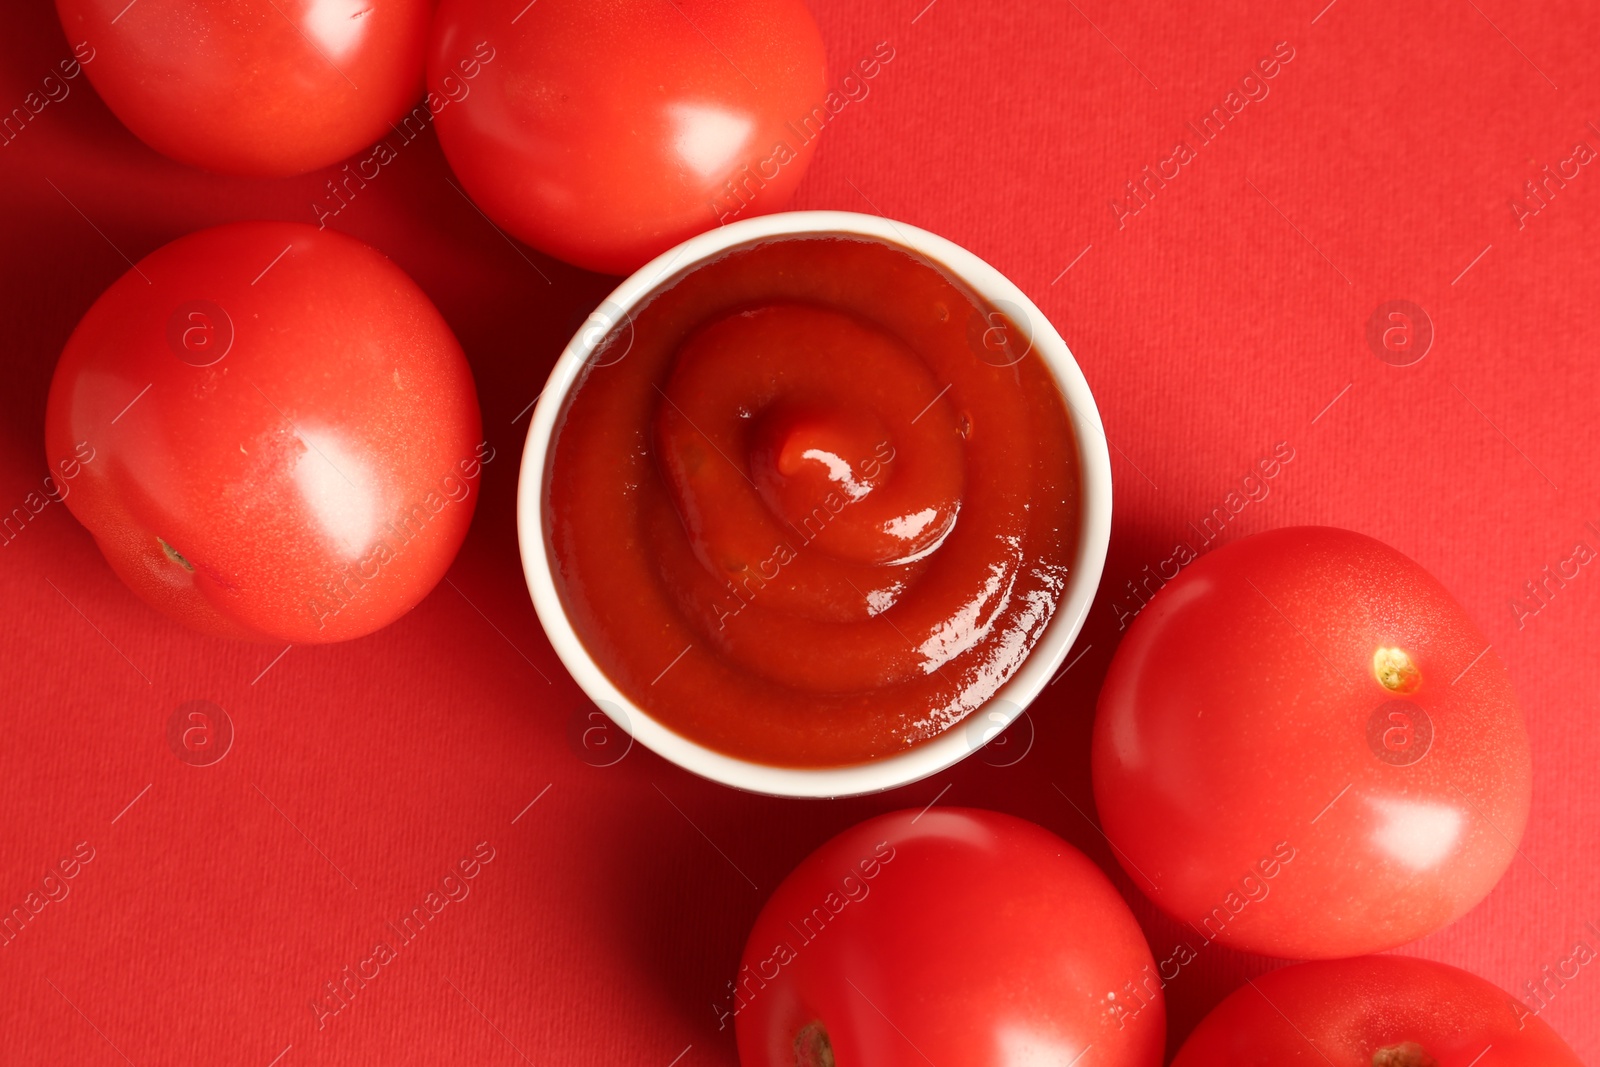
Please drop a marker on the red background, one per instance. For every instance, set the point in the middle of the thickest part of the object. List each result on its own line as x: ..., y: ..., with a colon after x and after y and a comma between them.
x: 1221, y: 319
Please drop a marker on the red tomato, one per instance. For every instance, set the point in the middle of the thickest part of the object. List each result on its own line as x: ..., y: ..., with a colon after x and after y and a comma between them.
x: 606, y: 131
x: 1378, y: 1011
x: 271, y: 433
x: 1305, y: 748
x: 264, y: 87
x: 951, y: 936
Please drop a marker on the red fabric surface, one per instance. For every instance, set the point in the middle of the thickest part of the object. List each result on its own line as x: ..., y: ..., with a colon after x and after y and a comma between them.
x: 1222, y: 318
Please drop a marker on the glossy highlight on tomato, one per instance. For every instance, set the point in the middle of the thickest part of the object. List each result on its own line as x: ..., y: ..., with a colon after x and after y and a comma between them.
x: 254, y: 87
x: 1305, y: 748
x: 272, y: 432
x: 953, y: 936
x: 606, y: 132
x: 1377, y: 1011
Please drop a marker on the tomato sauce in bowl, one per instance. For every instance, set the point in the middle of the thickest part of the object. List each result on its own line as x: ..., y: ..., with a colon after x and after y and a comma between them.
x: 812, y: 501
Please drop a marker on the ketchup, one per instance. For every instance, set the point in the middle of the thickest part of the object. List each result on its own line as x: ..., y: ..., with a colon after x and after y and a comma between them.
x: 821, y: 505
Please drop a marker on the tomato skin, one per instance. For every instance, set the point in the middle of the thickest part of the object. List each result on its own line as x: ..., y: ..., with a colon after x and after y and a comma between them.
x: 1250, y: 774
x: 953, y: 936
x: 254, y: 87
x: 296, y: 472
x: 604, y: 133
x: 1342, y: 1012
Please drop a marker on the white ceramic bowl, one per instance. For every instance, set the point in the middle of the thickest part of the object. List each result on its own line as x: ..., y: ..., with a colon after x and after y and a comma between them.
x: 931, y: 756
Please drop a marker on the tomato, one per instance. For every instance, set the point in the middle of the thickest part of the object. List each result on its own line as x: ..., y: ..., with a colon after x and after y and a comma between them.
x: 260, y: 87
x: 1378, y: 1011
x: 271, y: 433
x: 947, y: 936
x: 606, y: 131
x: 1304, y: 748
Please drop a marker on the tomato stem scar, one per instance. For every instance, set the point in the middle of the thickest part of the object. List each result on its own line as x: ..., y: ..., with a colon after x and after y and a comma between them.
x: 175, y: 556
x: 812, y: 1047
x: 1405, y: 1054
x: 1395, y: 671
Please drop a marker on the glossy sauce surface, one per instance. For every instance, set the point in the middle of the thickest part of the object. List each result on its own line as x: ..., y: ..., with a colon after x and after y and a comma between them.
x: 814, y: 503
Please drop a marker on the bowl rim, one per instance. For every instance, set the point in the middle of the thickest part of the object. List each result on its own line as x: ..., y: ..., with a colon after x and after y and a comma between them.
x: 928, y: 757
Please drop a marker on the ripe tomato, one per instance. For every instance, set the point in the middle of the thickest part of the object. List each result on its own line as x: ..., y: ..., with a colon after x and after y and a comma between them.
x: 606, y: 132
x: 950, y: 936
x: 1304, y: 748
x: 263, y: 87
x: 273, y: 433
x: 1378, y: 1011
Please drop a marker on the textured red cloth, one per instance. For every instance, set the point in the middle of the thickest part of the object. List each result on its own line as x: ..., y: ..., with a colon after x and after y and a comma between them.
x: 1224, y: 315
